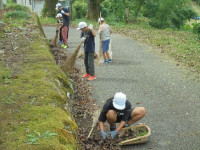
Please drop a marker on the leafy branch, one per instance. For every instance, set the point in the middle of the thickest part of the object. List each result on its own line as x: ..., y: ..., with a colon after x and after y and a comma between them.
x: 33, y: 138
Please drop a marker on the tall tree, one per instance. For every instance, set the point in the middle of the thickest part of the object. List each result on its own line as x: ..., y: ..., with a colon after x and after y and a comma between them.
x: 138, y: 10
x: 168, y: 13
x: 1, y: 4
x: 93, y: 9
x: 49, y: 8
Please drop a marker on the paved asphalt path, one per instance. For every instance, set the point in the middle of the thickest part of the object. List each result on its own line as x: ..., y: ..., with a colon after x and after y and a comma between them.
x: 150, y: 79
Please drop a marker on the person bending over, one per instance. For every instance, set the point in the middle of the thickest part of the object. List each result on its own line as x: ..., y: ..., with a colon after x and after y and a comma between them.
x: 119, y: 110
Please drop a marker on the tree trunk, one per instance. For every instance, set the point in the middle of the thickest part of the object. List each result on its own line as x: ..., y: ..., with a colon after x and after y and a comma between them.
x: 49, y: 8
x: 1, y: 4
x: 139, y: 8
x: 127, y: 15
x: 93, y: 9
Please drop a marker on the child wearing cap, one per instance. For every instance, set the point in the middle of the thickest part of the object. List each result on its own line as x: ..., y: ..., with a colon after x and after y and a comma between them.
x: 105, y: 31
x: 59, y: 26
x: 119, y: 110
x: 89, y: 49
x: 65, y: 27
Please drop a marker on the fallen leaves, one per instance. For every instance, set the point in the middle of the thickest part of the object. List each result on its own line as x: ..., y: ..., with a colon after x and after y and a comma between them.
x: 84, y: 108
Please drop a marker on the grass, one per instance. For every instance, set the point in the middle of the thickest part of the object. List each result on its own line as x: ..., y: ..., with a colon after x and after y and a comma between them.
x: 181, y: 45
x: 36, y: 136
x: 33, y: 94
x: 15, y: 7
x: 19, y: 16
x: 48, y: 20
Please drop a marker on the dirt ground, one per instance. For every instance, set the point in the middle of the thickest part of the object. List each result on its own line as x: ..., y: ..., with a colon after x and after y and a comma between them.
x: 84, y: 106
x: 152, y: 80
x: 84, y: 109
x: 86, y: 112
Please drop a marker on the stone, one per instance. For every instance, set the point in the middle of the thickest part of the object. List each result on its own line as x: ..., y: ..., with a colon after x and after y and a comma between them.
x: 1, y: 52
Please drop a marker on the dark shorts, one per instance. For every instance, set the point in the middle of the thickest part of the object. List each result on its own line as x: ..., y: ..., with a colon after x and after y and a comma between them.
x: 119, y: 118
x: 105, y: 45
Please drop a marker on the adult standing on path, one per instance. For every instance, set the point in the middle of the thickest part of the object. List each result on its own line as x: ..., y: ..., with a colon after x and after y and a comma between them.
x: 105, y: 31
x: 65, y: 28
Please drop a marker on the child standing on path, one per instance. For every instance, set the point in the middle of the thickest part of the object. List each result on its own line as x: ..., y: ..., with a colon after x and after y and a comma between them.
x: 59, y: 26
x: 89, y: 49
x: 65, y: 27
x: 105, y: 31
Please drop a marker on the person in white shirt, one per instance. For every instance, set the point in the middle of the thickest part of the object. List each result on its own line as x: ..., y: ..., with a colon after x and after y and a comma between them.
x: 105, y: 32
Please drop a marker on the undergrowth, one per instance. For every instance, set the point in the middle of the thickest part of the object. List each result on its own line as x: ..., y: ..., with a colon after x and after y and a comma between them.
x: 17, y: 15
x: 33, y: 91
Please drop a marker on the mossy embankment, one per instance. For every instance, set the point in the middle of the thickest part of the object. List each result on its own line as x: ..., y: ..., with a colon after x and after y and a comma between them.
x: 33, y: 91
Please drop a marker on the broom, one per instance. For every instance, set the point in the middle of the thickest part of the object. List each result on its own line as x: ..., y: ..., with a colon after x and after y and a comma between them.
x: 95, y: 120
x: 68, y: 65
x: 55, y: 40
x: 100, y: 45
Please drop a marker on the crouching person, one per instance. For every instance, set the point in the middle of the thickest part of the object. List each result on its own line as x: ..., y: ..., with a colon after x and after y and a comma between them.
x: 119, y: 110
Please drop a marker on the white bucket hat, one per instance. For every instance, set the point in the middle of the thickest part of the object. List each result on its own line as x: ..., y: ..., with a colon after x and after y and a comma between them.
x: 119, y: 101
x: 58, y: 15
x: 81, y: 25
x: 101, y: 20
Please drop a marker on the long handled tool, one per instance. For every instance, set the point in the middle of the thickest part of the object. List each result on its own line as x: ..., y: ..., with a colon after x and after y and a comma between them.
x: 55, y: 40
x: 95, y: 120
x: 68, y: 65
x: 100, y: 58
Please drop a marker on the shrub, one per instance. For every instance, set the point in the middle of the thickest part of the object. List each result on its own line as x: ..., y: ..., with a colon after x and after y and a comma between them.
x: 196, y: 28
x: 168, y: 13
x: 79, y: 9
x: 16, y: 7
x: 173, y: 19
x: 17, y: 15
x: 105, y: 8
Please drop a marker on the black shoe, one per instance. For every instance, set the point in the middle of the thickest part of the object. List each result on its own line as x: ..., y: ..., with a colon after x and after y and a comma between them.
x: 113, y: 128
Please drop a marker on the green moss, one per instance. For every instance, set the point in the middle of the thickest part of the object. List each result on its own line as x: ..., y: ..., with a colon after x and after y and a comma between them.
x: 32, y: 99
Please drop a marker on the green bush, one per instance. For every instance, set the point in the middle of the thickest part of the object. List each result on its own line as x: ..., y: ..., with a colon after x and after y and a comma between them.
x: 187, y: 27
x: 16, y: 7
x: 79, y: 9
x: 17, y: 15
x: 105, y: 8
x: 168, y: 13
x: 196, y: 28
x: 175, y: 18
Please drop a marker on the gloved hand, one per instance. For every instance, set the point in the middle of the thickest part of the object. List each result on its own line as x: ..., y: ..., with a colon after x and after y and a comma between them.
x: 103, y: 134
x: 62, y: 11
x: 83, y: 39
x: 90, y: 26
x: 113, y: 134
